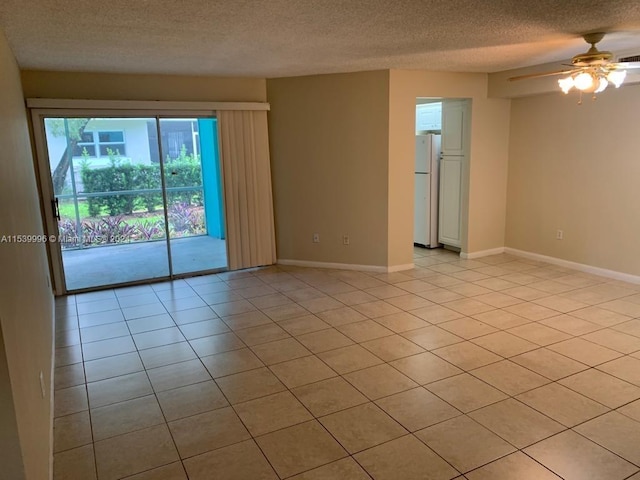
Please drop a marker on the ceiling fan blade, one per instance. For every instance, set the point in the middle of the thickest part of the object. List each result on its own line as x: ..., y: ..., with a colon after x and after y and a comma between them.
x: 626, y: 65
x: 536, y: 75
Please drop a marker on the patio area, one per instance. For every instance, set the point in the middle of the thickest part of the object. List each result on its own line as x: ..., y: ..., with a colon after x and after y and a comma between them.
x: 134, y: 262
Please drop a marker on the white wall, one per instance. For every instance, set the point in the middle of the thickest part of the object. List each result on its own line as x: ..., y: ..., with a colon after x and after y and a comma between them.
x: 136, y: 136
x: 136, y: 139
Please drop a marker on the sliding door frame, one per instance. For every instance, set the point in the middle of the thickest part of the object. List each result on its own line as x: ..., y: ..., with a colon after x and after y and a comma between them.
x: 51, y: 108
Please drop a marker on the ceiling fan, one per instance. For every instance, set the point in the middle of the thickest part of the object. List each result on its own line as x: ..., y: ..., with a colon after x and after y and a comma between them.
x: 589, y: 72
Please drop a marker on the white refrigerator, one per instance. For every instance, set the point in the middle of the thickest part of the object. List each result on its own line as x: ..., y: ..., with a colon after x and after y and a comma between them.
x: 425, y: 231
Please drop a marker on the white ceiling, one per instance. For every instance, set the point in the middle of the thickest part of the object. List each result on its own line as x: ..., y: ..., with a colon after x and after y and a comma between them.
x: 276, y: 38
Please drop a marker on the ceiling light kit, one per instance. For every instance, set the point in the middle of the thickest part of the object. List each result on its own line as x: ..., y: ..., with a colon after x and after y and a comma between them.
x: 591, y: 72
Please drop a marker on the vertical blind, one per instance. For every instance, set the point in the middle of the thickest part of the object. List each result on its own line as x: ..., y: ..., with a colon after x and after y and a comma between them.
x: 244, y: 148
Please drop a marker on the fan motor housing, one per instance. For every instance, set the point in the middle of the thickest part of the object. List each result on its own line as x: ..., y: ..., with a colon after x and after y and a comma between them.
x: 592, y: 57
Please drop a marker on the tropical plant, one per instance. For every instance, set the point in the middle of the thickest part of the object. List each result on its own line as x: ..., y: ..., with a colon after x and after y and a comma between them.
x: 68, y: 231
x: 92, y: 232
x: 151, y: 230
x: 116, y: 230
x: 184, y: 219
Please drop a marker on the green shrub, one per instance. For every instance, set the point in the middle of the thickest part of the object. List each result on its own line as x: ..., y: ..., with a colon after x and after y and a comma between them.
x: 184, y: 171
x: 116, y: 177
x: 148, y: 177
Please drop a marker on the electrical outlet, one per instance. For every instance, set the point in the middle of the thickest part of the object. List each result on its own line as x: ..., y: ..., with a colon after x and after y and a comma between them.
x: 316, y: 238
x: 559, y: 235
x: 345, y: 239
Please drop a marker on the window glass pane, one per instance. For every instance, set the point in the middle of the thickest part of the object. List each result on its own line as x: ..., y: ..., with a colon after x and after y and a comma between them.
x: 81, y: 150
x: 116, y: 149
x: 86, y: 137
x: 110, y: 137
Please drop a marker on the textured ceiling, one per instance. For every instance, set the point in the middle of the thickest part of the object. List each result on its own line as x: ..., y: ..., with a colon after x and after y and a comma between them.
x: 275, y: 38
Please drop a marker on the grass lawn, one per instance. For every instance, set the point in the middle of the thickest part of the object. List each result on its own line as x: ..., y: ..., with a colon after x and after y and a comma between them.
x: 67, y: 210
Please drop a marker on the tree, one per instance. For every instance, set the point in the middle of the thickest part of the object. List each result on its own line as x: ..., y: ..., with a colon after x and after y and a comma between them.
x: 72, y: 128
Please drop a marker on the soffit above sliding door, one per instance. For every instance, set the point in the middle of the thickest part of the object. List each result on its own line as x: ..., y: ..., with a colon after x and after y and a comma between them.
x: 158, y: 107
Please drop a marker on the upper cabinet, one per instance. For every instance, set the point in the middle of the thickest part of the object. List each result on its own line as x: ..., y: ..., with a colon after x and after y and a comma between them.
x: 454, y: 125
x: 428, y: 117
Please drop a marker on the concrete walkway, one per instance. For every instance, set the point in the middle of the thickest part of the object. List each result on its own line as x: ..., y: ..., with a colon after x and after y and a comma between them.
x: 133, y: 262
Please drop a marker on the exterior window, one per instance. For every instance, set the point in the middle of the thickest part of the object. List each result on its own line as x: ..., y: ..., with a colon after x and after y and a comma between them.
x: 179, y: 135
x: 97, y: 144
x: 87, y: 144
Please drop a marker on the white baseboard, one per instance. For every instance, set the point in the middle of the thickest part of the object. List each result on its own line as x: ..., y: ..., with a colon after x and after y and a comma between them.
x: 345, y: 266
x: 603, y: 272
x: 482, y: 253
x: 400, y: 268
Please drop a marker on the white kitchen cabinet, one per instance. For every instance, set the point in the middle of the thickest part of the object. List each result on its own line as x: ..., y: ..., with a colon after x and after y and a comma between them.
x: 454, y: 127
x: 455, y: 148
x: 449, y: 219
x: 429, y: 117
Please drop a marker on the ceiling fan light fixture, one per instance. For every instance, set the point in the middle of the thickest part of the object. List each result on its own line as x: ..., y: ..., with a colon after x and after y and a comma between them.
x: 591, y: 72
x: 592, y: 80
x: 617, y: 77
x: 566, y: 84
x: 602, y: 84
x: 584, y: 81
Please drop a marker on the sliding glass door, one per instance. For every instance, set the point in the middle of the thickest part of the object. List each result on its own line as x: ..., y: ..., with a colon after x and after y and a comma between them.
x: 193, y: 194
x: 135, y: 198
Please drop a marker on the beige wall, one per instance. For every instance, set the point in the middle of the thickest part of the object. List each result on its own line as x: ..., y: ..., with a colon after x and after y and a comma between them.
x: 26, y: 301
x: 329, y: 151
x: 104, y: 86
x: 576, y: 168
x: 10, y: 451
x: 487, y: 173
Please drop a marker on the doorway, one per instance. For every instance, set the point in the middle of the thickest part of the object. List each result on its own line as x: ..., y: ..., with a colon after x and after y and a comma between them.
x: 136, y: 198
x: 428, y: 130
x: 442, y: 150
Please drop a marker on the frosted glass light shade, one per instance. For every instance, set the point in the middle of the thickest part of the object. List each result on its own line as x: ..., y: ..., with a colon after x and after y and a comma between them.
x: 583, y: 81
x: 602, y: 84
x: 566, y: 84
x: 592, y: 80
x: 617, y: 77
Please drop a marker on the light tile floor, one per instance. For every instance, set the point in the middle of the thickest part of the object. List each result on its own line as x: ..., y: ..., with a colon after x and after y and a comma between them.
x: 498, y: 368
